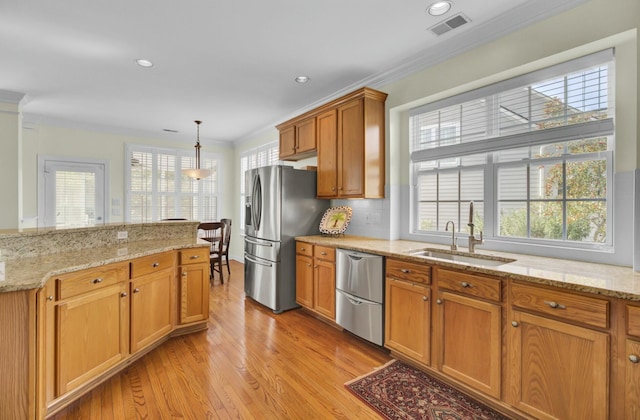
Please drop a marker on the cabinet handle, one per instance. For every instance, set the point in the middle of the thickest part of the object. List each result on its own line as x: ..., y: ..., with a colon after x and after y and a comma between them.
x: 136, y: 290
x: 49, y: 298
x: 633, y: 358
x: 465, y: 284
x: 405, y: 271
x: 439, y: 301
x: 96, y: 281
x: 155, y: 264
x: 425, y: 298
x: 323, y: 253
x: 554, y: 305
x: 184, y: 274
x: 194, y: 257
x: 308, y: 265
x: 303, y: 249
x: 123, y: 294
x: 514, y: 323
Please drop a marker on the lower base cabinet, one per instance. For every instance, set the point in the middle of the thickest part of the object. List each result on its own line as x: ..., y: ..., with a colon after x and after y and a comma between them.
x: 632, y: 379
x: 557, y: 370
x: 150, y: 308
x: 316, y: 279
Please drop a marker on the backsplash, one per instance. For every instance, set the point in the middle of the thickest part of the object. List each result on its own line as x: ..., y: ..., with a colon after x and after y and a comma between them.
x: 371, y: 217
x: 35, y: 242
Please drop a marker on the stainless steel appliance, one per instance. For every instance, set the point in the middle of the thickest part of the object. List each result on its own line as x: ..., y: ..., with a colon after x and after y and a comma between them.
x: 359, y: 294
x: 281, y: 204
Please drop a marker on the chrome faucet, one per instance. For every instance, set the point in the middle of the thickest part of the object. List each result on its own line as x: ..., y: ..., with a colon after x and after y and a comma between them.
x: 453, y: 234
x: 473, y: 241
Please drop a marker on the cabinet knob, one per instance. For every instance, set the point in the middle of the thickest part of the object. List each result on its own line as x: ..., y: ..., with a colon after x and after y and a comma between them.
x: 49, y: 298
x: 184, y: 274
x: 514, y: 323
x: 155, y: 264
x: 303, y: 249
x: 439, y: 301
x: 123, y: 294
x: 425, y: 298
x: 136, y: 290
x: 405, y: 271
x: 323, y: 253
x: 633, y: 358
x: 308, y: 265
x: 96, y: 281
x: 465, y: 284
x: 554, y: 305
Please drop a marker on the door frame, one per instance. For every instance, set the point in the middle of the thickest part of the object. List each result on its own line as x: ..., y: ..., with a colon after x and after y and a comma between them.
x: 43, y: 159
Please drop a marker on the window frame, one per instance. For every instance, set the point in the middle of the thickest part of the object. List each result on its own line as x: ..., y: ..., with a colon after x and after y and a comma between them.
x: 178, y: 193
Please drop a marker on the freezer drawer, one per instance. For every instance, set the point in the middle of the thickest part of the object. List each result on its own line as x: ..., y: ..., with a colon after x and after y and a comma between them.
x: 267, y: 250
x: 361, y: 317
x: 260, y: 281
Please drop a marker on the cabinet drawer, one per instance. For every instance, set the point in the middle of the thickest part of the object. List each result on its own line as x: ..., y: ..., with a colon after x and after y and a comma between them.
x: 194, y: 256
x: 468, y: 284
x: 304, y: 248
x: 151, y: 264
x: 404, y: 270
x: 633, y: 320
x: 583, y: 309
x: 74, y: 284
x: 324, y: 253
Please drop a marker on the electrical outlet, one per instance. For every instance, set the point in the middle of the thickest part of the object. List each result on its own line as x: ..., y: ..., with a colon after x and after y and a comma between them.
x: 123, y: 235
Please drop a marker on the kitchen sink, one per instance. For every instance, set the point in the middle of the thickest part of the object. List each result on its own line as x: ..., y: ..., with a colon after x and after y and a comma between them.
x: 461, y: 257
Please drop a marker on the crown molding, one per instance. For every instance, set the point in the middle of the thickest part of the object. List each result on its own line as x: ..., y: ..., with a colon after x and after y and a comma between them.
x: 11, y: 97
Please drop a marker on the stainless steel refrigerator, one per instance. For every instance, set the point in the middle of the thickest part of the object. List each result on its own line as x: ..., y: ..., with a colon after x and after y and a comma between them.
x: 280, y: 205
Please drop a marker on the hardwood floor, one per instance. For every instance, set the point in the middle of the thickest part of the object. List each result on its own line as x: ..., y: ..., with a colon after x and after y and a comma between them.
x: 250, y: 363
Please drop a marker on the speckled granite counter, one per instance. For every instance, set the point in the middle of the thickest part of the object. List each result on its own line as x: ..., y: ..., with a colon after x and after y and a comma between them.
x: 28, y: 259
x: 607, y: 280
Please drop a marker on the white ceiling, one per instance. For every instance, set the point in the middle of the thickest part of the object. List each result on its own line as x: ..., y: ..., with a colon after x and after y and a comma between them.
x: 230, y: 64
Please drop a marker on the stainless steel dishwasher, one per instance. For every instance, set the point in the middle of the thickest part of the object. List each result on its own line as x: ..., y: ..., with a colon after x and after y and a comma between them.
x: 360, y: 293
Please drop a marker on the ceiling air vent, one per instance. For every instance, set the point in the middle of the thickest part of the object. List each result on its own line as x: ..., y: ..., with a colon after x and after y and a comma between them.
x: 449, y: 24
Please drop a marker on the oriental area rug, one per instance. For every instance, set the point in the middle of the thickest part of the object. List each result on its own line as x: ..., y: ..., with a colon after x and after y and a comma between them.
x: 399, y: 391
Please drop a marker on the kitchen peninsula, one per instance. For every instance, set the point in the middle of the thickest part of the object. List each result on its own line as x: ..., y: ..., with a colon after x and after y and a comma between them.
x: 78, y: 305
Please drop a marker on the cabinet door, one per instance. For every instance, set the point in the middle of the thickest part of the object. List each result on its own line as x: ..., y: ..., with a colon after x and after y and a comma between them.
x: 632, y: 380
x: 304, y: 281
x: 91, y: 336
x: 324, y: 296
x: 150, y: 308
x: 351, y: 149
x: 306, y: 136
x: 287, y: 142
x: 557, y: 370
x: 408, y: 319
x: 468, y: 337
x: 327, y: 124
x: 194, y: 293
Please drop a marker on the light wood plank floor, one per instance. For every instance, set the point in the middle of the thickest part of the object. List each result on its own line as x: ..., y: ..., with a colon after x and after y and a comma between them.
x: 250, y: 363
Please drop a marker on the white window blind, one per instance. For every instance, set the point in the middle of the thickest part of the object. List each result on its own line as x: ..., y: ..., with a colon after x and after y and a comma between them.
x: 534, y: 153
x: 158, y: 189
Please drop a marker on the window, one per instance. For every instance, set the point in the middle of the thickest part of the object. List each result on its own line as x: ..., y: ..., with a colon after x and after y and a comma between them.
x: 534, y: 154
x: 255, y: 158
x: 157, y: 189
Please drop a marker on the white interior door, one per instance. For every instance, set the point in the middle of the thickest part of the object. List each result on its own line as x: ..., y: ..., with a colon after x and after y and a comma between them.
x: 71, y: 193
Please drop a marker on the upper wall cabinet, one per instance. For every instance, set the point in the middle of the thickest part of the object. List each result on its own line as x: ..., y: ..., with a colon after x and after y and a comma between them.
x: 348, y: 136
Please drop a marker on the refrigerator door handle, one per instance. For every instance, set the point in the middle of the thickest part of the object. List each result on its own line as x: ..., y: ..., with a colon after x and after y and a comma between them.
x: 257, y: 262
x: 258, y: 243
x: 256, y: 201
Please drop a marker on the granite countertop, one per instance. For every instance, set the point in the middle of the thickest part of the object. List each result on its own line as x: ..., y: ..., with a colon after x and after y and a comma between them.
x: 602, y: 279
x: 33, y: 272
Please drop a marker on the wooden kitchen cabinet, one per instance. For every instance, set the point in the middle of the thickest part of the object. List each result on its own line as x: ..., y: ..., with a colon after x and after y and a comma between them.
x: 408, y: 309
x: 632, y: 363
x: 86, y: 327
x: 193, y: 286
x: 316, y: 278
x: 298, y: 141
x: 558, y: 363
x: 468, y: 329
x: 351, y: 158
x: 151, y: 299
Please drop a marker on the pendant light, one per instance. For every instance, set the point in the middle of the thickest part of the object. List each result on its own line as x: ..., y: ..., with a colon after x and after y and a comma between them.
x: 197, y: 173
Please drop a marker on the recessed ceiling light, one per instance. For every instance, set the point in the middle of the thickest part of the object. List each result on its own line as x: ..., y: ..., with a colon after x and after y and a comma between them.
x: 439, y: 8
x: 144, y: 63
x: 302, y: 79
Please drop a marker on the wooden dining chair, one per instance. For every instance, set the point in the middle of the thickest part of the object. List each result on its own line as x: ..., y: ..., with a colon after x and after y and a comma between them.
x: 214, y: 233
x: 226, y: 242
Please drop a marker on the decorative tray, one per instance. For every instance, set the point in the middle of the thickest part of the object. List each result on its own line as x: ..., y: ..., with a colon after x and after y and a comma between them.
x: 335, y: 220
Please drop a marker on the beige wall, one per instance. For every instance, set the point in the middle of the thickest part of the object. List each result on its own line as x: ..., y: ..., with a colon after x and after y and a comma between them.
x: 9, y: 169
x: 81, y: 143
